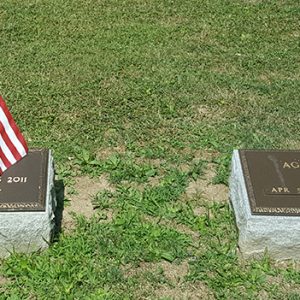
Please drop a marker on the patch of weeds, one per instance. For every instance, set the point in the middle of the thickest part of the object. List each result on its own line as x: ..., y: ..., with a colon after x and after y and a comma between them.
x: 66, y: 173
x: 64, y: 182
x: 293, y: 296
x: 171, y: 186
x: 217, y: 263
x: 89, y: 261
x: 120, y: 167
x: 156, y: 201
x: 156, y: 151
x: 103, y: 199
x: 182, y: 213
x: 197, y: 169
x: 103, y: 294
x: 87, y: 162
x: 75, y: 275
x: 156, y: 276
x: 148, y: 242
x: 153, y: 200
x: 292, y: 275
x: 223, y: 162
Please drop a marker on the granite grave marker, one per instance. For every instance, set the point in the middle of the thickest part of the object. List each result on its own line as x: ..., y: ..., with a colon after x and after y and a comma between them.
x: 265, y: 195
x: 27, y: 204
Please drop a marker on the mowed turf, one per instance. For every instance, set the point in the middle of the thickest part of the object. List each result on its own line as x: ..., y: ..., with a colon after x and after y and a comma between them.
x: 160, y: 80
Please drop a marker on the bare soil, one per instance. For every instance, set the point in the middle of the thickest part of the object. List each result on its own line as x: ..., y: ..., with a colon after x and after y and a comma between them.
x: 206, y: 189
x: 81, y: 203
x: 175, y: 287
x: 3, y: 280
x: 178, y: 289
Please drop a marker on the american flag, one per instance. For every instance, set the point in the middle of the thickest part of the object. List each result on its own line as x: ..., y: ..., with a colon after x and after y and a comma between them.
x: 13, y: 146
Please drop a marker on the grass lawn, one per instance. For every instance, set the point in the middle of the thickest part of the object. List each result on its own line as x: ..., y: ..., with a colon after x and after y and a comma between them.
x: 150, y: 96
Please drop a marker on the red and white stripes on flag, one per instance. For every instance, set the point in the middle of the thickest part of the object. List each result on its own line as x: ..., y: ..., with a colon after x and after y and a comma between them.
x: 12, y: 143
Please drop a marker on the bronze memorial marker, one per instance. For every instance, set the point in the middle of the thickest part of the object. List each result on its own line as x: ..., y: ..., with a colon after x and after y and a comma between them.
x: 273, y: 181
x: 23, y: 186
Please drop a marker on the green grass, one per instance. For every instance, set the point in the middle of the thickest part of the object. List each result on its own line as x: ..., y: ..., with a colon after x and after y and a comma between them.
x: 159, y: 80
x: 91, y: 259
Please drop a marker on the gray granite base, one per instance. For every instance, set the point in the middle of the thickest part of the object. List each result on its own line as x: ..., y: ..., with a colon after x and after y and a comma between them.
x: 278, y: 235
x: 25, y: 232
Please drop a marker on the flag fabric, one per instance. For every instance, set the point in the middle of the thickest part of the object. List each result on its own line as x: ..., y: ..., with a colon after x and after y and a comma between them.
x: 13, y: 146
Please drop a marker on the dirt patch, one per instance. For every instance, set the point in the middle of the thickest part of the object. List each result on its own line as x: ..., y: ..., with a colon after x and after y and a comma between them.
x: 175, y: 273
x: 193, y: 291
x: 175, y: 286
x: 200, y: 211
x: 205, y: 155
x: 105, y: 153
x: 206, y: 189
x: 81, y: 202
x: 3, y: 280
x: 154, y: 181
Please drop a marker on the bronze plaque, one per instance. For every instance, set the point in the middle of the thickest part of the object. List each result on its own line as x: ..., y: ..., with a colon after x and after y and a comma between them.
x: 23, y: 186
x: 273, y: 181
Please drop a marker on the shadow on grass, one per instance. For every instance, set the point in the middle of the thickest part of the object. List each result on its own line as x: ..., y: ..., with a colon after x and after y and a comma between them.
x: 60, y: 195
